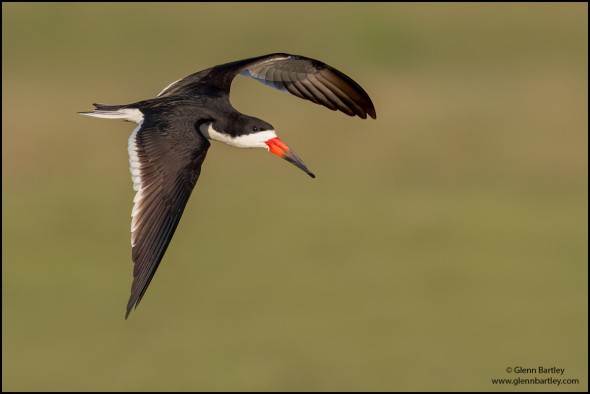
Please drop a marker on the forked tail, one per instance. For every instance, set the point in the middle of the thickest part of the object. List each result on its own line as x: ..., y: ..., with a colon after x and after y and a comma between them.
x: 113, y: 111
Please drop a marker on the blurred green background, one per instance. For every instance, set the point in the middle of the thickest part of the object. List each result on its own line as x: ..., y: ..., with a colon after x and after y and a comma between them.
x: 439, y: 244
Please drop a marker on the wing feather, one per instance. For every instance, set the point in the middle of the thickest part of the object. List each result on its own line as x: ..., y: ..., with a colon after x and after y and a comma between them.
x: 164, y: 174
x: 303, y: 77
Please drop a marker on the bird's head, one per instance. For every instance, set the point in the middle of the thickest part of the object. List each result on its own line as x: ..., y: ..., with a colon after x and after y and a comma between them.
x: 250, y: 132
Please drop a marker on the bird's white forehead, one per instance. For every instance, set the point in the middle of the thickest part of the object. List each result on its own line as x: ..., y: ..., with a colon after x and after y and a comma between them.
x: 254, y: 140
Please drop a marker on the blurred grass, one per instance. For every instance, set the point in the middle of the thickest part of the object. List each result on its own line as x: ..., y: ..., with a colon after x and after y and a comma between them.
x: 439, y: 244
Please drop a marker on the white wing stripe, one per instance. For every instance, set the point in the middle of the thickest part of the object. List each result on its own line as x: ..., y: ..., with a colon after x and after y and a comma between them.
x: 135, y: 167
x: 166, y: 88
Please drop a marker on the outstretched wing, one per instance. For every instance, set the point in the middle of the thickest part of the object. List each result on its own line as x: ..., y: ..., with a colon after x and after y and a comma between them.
x: 165, y: 160
x: 303, y: 77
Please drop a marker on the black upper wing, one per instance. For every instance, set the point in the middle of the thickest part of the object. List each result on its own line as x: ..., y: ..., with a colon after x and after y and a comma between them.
x: 165, y: 158
x: 303, y: 77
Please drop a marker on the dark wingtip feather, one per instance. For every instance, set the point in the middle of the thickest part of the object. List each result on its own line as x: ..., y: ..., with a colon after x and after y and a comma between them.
x: 130, y: 306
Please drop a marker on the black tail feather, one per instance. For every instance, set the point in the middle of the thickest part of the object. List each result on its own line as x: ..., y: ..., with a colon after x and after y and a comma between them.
x: 107, y: 107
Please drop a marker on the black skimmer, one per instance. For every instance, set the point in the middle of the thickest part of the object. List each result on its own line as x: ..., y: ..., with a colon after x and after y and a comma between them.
x: 169, y: 144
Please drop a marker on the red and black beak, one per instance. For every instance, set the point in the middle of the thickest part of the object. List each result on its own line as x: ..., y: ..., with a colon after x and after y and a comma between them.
x: 278, y: 147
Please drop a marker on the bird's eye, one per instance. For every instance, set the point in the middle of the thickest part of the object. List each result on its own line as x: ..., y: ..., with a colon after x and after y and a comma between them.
x: 254, y: 128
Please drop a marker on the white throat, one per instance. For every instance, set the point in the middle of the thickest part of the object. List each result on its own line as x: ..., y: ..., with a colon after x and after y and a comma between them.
x: 254, y: 140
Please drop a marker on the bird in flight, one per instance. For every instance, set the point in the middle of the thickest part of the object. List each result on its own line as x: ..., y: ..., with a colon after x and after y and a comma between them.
x: 174, y: 131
